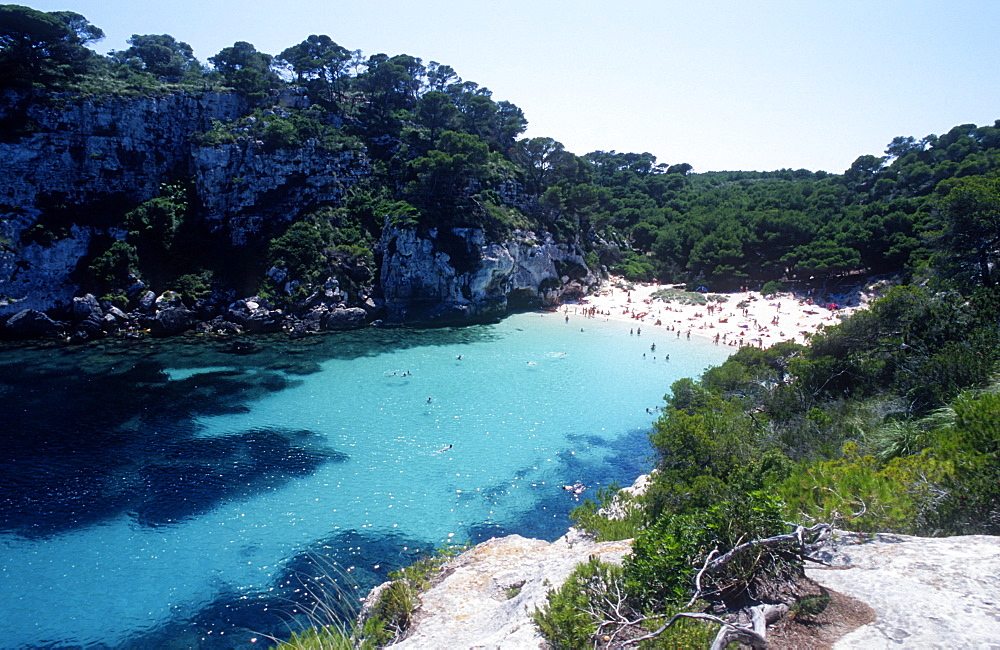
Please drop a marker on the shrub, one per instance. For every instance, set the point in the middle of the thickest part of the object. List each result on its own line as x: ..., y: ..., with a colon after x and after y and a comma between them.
x: 112, y: 267
x: 772, y: 288
x: 855, y: 492
x: 592, y: 516
x: 565, y: 621
x: 194, y: 286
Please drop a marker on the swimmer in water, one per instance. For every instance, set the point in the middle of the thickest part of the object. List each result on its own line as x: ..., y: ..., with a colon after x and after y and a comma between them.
x: 443, y: 449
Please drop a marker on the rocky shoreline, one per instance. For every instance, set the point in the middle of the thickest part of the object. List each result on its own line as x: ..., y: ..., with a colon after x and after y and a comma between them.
x: 87, y: 318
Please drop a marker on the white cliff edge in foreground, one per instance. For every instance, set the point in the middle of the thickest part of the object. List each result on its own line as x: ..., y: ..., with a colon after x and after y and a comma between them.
x: 926, y: 592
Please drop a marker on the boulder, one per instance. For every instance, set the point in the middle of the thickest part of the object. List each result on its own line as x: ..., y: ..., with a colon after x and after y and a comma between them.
x: 345, y: 318
x: 490, y: 591
x: 169, y: 322
x: 31, y: 324
x: 88, y: 329
x: 147, y: 302
x: 168, y: 300
x: 85, y: 307
x: 255, y: 316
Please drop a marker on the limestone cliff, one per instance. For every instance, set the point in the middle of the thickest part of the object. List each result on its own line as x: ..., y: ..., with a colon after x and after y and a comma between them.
x: 491, y: 590
x: 83, y: 162
x: 456, y: 275
x: 73, y: 166
x: 926, y: 592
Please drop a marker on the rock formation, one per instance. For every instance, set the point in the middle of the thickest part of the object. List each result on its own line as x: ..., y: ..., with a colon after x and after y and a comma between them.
x: 926, y: 592
x: 80, y: 163
x: 491, y: 590
x: 456, y: 275
x: 84, y: 161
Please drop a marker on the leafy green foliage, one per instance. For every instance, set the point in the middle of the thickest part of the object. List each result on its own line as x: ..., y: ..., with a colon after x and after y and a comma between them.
x: 161, y: 55
x: 44, y: 48
x: 194, y: 286
x: 971, y: 210
x: 772, y: 288
x: 858, y: 493
x: 591, y: 516
x: 246, y: 70
x: 564, y: 621
x: 302, y: 250
x: 112, y: 267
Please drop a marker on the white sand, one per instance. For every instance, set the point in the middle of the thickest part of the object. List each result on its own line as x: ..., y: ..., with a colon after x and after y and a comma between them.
x: 762, y: 323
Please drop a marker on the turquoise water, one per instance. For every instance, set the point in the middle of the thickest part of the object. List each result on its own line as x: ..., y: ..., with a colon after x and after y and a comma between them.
x: 179, y: 492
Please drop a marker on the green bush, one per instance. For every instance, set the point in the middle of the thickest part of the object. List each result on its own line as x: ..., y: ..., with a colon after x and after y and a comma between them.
x: 301, y: 249
x: 666, y: 555
x: 112, y: 267
x: 588, y: 518
x: 772, y: 288
x: 565, y: 621
x: 194, y: 286
x: 857, y: 493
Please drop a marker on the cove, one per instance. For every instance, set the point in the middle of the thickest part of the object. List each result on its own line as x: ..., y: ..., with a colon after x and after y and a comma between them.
x: 169, y: 491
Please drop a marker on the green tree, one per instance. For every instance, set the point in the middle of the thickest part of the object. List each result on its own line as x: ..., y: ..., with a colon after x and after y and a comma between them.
x: 440, y: 76
x: 447, y: 169
x: 39, y: 47
x: 245, y: 69
x: 538, y: 157
x: 160, y: 55
x: 320, y: 59
x: 391, y: 84
x: 970, y: 208
x: 436, y: 111
x: 301, y: 249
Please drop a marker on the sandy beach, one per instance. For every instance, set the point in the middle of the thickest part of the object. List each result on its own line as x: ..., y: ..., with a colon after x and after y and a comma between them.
x: 743, y: 318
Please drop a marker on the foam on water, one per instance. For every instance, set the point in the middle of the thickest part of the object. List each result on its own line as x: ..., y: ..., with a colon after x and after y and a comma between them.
x: 404, y: 449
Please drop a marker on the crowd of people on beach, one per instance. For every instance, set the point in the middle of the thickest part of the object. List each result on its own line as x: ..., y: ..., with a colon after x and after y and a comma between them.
x: 745, y: 318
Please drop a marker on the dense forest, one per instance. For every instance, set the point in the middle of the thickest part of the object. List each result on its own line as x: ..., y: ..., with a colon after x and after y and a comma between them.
x: 889, y: 421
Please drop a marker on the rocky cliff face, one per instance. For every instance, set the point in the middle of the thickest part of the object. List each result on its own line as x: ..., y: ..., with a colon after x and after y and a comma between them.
x: 85, y: 162
x: 491, y: 590
x: 243, y: 187
x: 72, y: 167
x: 457, y: 276
x: 82, y: 163
x: 926, y: 592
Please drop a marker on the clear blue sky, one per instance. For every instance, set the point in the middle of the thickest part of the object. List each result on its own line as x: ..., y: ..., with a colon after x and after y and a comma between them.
x: 719, y: 84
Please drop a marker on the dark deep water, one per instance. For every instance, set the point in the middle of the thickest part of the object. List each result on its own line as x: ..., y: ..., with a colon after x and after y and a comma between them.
x: 170, y: 491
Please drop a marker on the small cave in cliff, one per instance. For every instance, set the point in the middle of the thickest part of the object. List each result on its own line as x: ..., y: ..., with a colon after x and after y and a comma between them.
x: 463, y: 255
x: 571, y: 269
x: 523, y: 299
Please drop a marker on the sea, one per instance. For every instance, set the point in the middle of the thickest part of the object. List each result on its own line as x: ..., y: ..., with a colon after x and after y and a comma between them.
x: 170, y: 493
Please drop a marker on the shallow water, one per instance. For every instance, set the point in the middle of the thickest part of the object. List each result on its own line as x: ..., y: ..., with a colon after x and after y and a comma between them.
x: 170, y: 491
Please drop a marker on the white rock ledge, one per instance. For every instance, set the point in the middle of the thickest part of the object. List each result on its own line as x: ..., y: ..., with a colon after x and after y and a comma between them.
x: 926, y: 592
x: 470, y: 607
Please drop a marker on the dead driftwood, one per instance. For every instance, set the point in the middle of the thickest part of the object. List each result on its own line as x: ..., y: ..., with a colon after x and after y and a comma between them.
x: 748, y: 623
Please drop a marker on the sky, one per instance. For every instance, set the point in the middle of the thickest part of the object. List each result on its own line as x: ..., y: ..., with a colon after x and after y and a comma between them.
x: 718, y: 84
